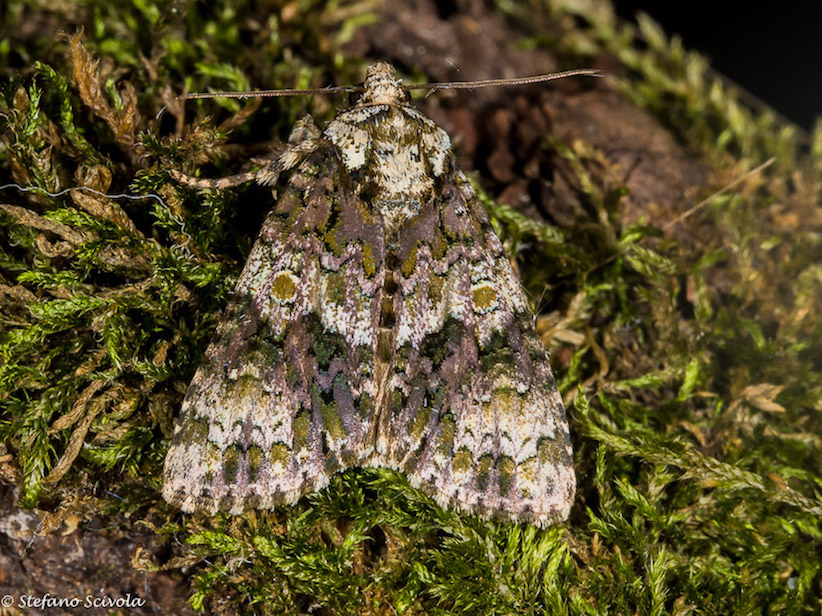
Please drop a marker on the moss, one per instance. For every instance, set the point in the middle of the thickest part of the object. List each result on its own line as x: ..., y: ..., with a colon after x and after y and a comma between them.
x: 691, y: 368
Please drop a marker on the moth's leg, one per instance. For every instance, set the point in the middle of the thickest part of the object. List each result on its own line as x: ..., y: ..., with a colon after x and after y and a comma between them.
x: 304, y: 139
x: 215, y: 184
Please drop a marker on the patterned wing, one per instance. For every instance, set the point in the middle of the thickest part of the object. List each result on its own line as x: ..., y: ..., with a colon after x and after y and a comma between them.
x: 473, y: 415
x: 284, y: 395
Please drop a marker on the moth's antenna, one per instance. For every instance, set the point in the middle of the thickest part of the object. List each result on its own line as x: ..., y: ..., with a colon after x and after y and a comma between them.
x: 726, y: 188
x: 453, y: 85
x: 519, y: 81
x: 271, y: 93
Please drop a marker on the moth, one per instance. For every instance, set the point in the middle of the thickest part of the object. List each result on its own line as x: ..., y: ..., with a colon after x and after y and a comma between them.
x: 377, y: 322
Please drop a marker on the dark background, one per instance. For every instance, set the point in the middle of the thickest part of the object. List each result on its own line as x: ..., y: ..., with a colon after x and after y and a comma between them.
x: 773, y: 50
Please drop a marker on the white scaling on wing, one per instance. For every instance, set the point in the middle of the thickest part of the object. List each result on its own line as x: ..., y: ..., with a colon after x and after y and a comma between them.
x: 351, y: 139
x: 351, y: 318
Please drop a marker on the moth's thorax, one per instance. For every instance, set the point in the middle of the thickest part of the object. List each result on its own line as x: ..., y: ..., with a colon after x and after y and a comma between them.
x: 396, y: 154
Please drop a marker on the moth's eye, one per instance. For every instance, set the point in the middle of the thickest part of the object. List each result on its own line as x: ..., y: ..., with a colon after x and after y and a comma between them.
x: 355, y: 97
x: 406, y: 95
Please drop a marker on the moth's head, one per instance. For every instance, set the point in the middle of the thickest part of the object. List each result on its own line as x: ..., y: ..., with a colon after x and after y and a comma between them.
x: 382, y: 87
